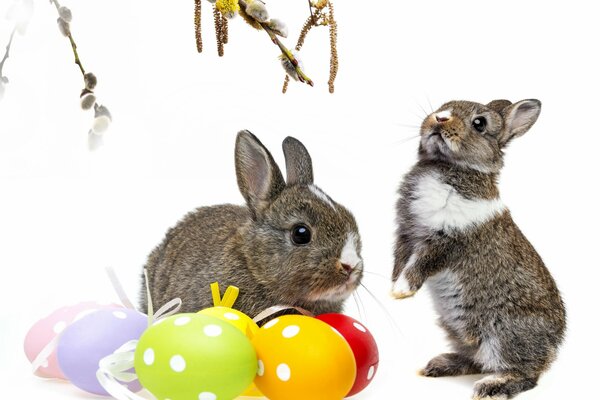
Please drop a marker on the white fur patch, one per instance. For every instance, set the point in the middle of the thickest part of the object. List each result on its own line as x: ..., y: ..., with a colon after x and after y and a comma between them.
x: 401, y: 286
x: 349, y: 254
x: 446, y: 114
x: 439, y: 207
x: 489, y: 355
x: 321, y: 195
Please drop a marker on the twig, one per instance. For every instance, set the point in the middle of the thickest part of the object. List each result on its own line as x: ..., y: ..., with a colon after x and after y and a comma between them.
x: 305, y: 29
x: 73, y: 45
x: 284, y: 50
x: 312, y: 16
x: 6, y: 54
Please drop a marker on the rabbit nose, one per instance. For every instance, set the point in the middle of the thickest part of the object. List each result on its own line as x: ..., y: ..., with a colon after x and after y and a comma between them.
x: 343, y: 267
x: 443, y: 116
x: 347, y: 268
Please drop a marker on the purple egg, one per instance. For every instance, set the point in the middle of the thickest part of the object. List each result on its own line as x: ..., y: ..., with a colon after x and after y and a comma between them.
x: 86, y: 341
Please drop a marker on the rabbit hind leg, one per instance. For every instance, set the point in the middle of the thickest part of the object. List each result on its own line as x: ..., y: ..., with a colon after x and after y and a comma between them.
x: 450, y: 364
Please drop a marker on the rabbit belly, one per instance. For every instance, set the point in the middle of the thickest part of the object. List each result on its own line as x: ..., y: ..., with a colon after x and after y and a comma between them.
x: 446, y: 292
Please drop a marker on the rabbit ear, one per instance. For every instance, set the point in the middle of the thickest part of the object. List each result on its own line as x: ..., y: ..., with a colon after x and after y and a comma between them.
x: 518, y: 118
x: 259, y: 178
x: 298, y: 164
x: 498, y: 105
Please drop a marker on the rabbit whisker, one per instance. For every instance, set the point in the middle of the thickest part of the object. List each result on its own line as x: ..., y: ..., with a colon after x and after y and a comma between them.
x: 429, y: 102
x: 388, y: 315
x: 358, y: 308
x: 377, y: 274
x: 406, y: 139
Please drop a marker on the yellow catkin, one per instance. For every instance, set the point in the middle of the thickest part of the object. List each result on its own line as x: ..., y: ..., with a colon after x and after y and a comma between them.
x: 224, y: 30
x: 286, y: 82
x: 310, y: 22
x: 228, y: 7
x: 198, y: 24
x: 218, y: 30
x: 333, y: 61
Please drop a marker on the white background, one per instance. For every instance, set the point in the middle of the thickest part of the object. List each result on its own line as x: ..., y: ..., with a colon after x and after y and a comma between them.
x: 66, y: 212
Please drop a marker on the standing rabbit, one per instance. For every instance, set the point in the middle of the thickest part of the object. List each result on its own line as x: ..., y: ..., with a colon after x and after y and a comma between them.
x: 497, y: 301
x: 290, y: 244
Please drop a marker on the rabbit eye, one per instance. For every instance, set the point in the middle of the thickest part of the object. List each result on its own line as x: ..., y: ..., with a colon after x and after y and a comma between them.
x: 301, y: 235
x: 479, y: 124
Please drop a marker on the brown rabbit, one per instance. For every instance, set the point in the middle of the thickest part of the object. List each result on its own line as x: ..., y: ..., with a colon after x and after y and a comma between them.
x: 497, y: 301
x: 291, y: 244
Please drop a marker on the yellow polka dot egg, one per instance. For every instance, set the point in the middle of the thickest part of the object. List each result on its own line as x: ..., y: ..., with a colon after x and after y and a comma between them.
x: 300, y: 358
x: 195, y: 356
x: 241, y: 321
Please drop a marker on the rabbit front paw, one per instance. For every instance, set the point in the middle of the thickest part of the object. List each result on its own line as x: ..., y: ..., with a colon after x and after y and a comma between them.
x: 402, y: 289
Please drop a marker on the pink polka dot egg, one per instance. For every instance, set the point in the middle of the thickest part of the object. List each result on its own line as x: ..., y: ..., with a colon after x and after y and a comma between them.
x: 47, y: 329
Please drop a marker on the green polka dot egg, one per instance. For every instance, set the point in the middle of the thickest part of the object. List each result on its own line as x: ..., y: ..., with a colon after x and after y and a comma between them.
x: 195, y: 356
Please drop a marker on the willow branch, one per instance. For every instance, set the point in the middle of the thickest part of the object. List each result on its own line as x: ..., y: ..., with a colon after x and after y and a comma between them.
x: 71, y: 40
x: 7, y: 53
x: 312, y: 16
x: 284, y: 50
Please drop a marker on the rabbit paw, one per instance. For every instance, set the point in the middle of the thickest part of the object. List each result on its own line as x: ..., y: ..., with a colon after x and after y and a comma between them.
x: 402, y: 289
x: 449, y: 364
x: 502, y: 386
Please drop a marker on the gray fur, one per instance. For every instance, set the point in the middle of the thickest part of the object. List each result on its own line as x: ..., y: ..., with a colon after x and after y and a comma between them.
x: 498, y: 303
x: 250, y: 246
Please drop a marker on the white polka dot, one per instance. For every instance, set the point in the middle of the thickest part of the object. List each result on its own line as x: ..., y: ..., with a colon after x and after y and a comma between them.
x: 149, y: 357
x: 231, y: 316
x: 207, y: 396
x: 213, y: 330
x: 261, y: 368
x: 182, y: 321
x: 360, y: 327
x: 283, y: 372
x: 290, y: 331
x: 59, y: 327
x: 119, y: 314
x: 271, y: 323
x: 371, y: 373
x: 177, y: 363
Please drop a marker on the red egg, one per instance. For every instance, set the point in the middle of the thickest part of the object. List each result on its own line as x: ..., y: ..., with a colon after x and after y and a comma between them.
x: 363, y: 346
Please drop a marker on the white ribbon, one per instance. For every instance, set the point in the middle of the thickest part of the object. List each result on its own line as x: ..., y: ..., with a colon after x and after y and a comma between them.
x: 49, y: 348
x: 119, y: 288
x: 275, y: 309
x: 42, y: 357
x: 114, y: 369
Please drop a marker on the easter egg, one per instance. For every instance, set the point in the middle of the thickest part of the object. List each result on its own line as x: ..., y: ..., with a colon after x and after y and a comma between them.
x: 242, y: 322
x: 195, y: 356
x: 86, y: 341
x: 363, y: 347
x: 47, y: 329
x: 236, y: 318
x: 302, y: 358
